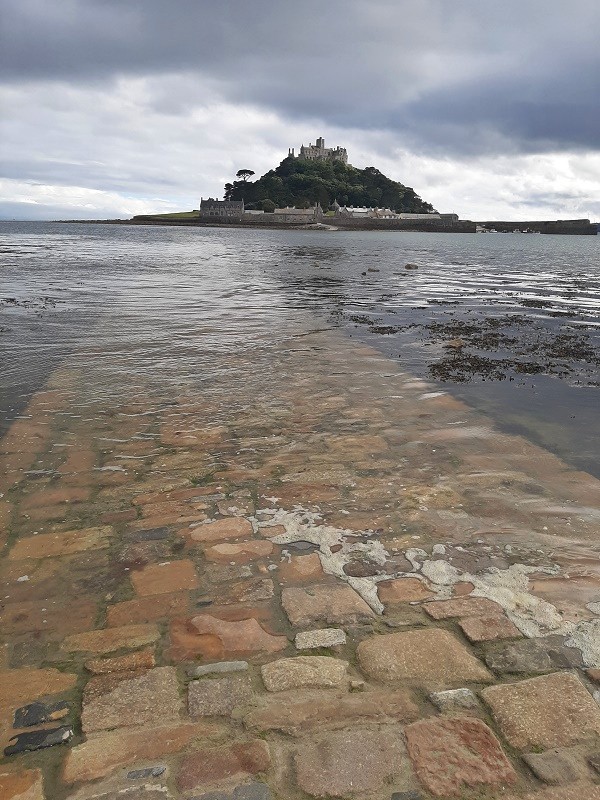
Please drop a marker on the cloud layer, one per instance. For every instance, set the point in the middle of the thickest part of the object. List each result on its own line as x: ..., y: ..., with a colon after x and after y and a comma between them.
x: 146, y: 105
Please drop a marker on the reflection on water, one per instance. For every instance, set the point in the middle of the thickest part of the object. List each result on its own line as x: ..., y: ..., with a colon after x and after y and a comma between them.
x: 147, y: 308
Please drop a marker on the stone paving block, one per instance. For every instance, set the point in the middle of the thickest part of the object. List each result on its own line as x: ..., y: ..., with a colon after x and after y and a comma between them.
x: 593, y: 675
x: 218, y: 696
x: 38, y: 740
x: 326, y: 637
x: 222, y: 530
x: 23, y: 784
x: 19, y: 686
x: 215, y: 638
x: 166, y: 578
x: 350, y: 761
x: 254, y: 590
x: 37, y: 713
x: 318, y: 672
x: 455, y: 700
x: 576, y: 791
x: 132, y: 661
x: 451, y: 755
x: 558, y: 766
x: 111, y: 639
x: 546, y: 654
x: 205, y: 767
x: 47, y: 545
x: 148, y: 609
x: 487, y: 629
x: 403, y: 590
x: 549, y: 711
x: 594, y: 762
x: 330, y: 604
x: 47, y: 617
x: 220, y: 667
x: 101, y: 753
x: 238, y: 552
x: 296, y: 712
x: 151, y: 698
x: 300, y: 569
x: 432, y: 658
x: 463, y: 607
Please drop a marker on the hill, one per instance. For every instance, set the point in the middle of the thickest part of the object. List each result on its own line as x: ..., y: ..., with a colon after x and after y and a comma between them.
x: 300, y: 182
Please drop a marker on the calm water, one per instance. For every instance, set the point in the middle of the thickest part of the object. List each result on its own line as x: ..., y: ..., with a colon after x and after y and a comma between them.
x: 145, y: 308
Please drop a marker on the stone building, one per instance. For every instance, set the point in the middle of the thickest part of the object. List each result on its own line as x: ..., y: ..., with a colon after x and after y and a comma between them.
x: 305, y: 215
x: 318, y: 152
x: 221, y: 208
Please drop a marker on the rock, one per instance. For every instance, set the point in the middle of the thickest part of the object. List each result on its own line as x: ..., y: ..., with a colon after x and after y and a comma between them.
x: 103, y: 752
x: 326, y: 637
x: 451, y: 755
x: 557, y: 767
x: 174, y: 576
x: 324, y: 603
x: 593, y: 675
x: 48, y: 545
x: 110, y: 639
x: 486, y: 629
x: 463, y: 607
x: 22, y: 785
x: 549, y: 711
x: 319, y: 672
x: 37, y: 713
x: 47, y: 617
x: 37, y: 740
x: 239, y: 552
x: 349, y: 761
x: 219, y: 667
x: 411, y: 266
x: 545, y: 654
x: 148, y: 609
x: 300, y: 569
x: 576, y: 791
x: 148, y: 772
x: 130, y: 662
x: 455, y: 700
x: 222, y: 530
x: 205, y: 767
x: 255, y: 590
x: 360, y: 569
x: 403, y: 590
x: 151, y: 535
x: 440, y: 572
x: 594, y: 762
x: 20, y: 685
x: 151, y: 698
x: 218, y: 696
x: 297, y: 712
x: 432, y: 658
x: 218, y: 638
x: 247, y: 791
x: 412, y: 795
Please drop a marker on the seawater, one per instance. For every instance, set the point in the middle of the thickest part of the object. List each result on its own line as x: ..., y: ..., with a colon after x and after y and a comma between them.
x: 156, y: 309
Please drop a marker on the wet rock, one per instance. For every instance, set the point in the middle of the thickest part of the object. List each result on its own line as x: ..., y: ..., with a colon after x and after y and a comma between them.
x: 205, y: 767
x: 549, y: 711
x: 48, y: 545
x: 247, y: 791
x: 463, y: 607
x: 487, y: 629
x: 349, y: 761
x: 148, y: 772
x: 432, y: 658
x: 148, y: 609
x: 457, y: 700
x: 411, y: 795
x: 218, y: 696
x: 218, y: 668
x: 151, y: 698
x: 111, y: 639
x: 151, y: 535
x: 174, y: 576
x: 222, y: 530
x: 466, y: 755
x: 37, y: 740
x: 594, y: 762
x: 239, y: 552
x: 300, y: 569
x: 302, y: 546
x: 22, y: 785
x: 128, y: 663
x: 539, y: 655
x: 557, y: 767
x: 251, y: 591
x: 326, y: 637
x: 216, y: 638
x: 20, y: 685
x: 303, y: 672
x: 37, y: 713
x: 324, y: 603
x: 403, y: 590
x: 297, y: 712
x: 360, y: 569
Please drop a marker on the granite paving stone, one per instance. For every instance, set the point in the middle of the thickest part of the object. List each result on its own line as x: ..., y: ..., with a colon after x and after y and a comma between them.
x: 455, y: 700
x: 318, y: 672
x: 451, y: 755
x: 222, y: 530
x: 143, y: 659
x: 548, y: 711
x: 432, y: 658
x: 323, y: 603
x: 219, y: 667
x: 463, y: 607
x: 205, y: 767
x: 558, y: 766
x: 403, y: 590
x: 111, y: 639
x: 239, y: 552
x: 48, y: 545
x: 148, y: 609
x: 486, y: 629
x: 546, y: 654
x: 170, y: 577
x: 325, y: 637
x: 218, y: 696
x: 26, y: 784
x: 216, y: 638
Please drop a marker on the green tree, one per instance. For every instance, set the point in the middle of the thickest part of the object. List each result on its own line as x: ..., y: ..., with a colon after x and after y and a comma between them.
x: 244, y: 174
x: 268, y: 206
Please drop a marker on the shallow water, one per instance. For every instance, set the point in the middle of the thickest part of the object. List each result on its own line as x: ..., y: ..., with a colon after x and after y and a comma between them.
x: 148, y: 309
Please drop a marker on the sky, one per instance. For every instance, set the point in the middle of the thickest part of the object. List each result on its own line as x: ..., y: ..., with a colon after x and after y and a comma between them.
x: 118, y: 107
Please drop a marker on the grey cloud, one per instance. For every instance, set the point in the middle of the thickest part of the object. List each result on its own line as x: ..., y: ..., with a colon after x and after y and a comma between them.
x: 468, y: 77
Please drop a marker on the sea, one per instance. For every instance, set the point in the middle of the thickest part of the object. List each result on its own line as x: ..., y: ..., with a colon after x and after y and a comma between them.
x: 509, y: 323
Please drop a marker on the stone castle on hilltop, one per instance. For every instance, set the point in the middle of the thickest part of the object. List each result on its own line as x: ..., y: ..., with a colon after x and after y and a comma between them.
x: 318, y: 152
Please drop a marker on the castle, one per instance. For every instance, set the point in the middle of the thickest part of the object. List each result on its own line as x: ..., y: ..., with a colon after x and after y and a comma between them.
x: 318, y: 152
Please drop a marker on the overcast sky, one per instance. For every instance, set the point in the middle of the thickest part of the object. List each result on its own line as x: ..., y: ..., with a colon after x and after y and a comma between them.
x: 117, y: 107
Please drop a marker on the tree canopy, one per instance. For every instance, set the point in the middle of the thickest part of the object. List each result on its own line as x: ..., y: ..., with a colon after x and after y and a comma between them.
x: 300, y: 182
